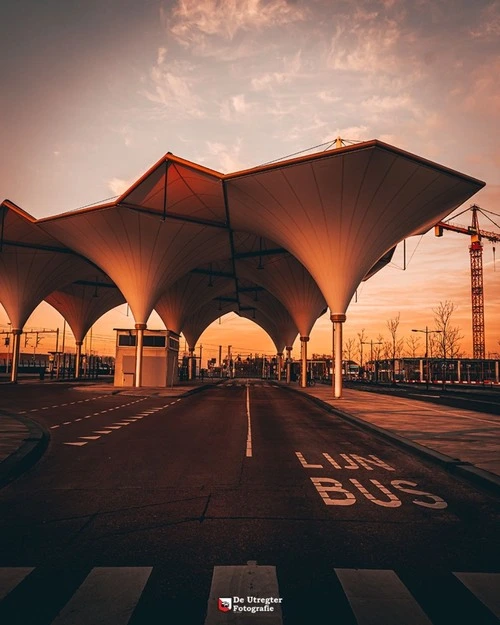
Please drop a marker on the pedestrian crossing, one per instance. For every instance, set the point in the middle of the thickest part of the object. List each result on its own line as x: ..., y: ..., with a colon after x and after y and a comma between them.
x: 110, y: 595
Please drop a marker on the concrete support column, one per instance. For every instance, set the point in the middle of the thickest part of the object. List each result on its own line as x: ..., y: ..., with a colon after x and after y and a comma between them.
x: 190, y: 363
x: 459, y: 370
x: 497, y: 379
x: 78, y: 358
x: 338, y: 320
x: 303, y: 357
x: 139, y: 348
x: 288, y: 364
x: 421, y: 370
x: 16, y: 343
x: 280, y: 364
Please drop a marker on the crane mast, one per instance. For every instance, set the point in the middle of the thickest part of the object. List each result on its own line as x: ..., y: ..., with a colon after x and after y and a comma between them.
x: 476, y: 274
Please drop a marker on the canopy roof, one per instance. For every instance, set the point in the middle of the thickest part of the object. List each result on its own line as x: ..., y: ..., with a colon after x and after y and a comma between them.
x: 302, y: 232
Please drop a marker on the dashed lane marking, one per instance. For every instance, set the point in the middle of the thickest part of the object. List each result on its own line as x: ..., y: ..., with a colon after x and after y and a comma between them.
x: 76, y: 444
x: 102, y: 431
x: 89, y: 438
x: 53, y: 427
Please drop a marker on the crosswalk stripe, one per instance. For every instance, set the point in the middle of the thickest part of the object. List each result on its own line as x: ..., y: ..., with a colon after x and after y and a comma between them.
x: 378, y: 596
x: 108, y: 595
x: 485, y: 586
x: 10, y: 577
x: 242, y: 581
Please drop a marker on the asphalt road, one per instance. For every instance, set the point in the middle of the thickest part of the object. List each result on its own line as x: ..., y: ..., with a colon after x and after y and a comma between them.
x: 141, y: 505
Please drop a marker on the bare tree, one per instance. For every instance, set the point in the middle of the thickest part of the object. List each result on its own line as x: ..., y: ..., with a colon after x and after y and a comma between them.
x: 349, y: 348
x: 447, y: 342
x: 412, y: 345
x: 392, y: 326
x: 361, y: 340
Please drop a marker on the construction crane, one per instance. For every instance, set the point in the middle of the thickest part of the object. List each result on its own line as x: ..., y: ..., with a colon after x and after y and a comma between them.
x: 476, y: 270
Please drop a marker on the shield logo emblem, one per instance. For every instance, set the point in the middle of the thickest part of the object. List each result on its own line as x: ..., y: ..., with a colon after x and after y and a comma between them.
x: 225, y: 604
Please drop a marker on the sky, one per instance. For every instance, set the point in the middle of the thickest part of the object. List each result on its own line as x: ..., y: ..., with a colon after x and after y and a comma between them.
x: 93, y: 93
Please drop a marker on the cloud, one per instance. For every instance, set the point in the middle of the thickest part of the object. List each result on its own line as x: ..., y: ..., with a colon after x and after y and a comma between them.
x: 383, y: 104
x: 292, y: 67
x: 235, y: 106
x: 119, y: 186
x: 192, y: 20
x: 489, y: 23
x: 172, y: 88
x: 227, y: 158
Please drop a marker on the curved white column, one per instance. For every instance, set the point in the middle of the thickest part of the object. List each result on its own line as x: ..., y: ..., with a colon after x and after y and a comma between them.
x: 288, y: 364
x: 338, y: 320
x: 190, y: 363
x: 139, y: 348
x: 280, y: 364
x: 16, y: 342
x: 303, y: 355
x: 78, y: 358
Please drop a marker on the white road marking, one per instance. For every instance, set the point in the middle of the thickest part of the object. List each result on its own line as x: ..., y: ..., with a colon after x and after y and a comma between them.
x: 244, y: 581
x: 11, y: 577
x: 249, y: 425
x: 53, y: 427
x: 79, y: 419
x: 94, y: 414
x: 66, y: 422
x: 76, y: 444
x: 122, y: 423
x: 64, y: 404
x: 485, y: 587
x: 114, y: 427
x: 88, y: 416
x: 108, y: 595
x: 89, y: 438
x: 45, y: 408
x: 102, y: 431
x: 372, y: 593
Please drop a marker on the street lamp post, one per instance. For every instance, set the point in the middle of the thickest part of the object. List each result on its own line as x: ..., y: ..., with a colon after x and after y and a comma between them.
x: 427, y: 332
x: 371, y: 343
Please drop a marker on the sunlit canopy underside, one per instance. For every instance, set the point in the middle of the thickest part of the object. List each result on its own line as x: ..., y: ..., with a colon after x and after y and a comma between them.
x: 191, y: 241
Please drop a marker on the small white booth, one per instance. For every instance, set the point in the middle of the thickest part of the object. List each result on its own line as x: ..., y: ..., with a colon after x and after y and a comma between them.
x: 160, y: 357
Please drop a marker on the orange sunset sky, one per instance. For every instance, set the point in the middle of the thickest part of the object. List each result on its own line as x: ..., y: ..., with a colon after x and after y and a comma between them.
x: 94, y: 93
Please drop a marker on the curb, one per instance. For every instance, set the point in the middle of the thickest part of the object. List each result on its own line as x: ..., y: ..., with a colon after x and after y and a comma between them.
x: 30, y: 451
x: 456, y: 466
